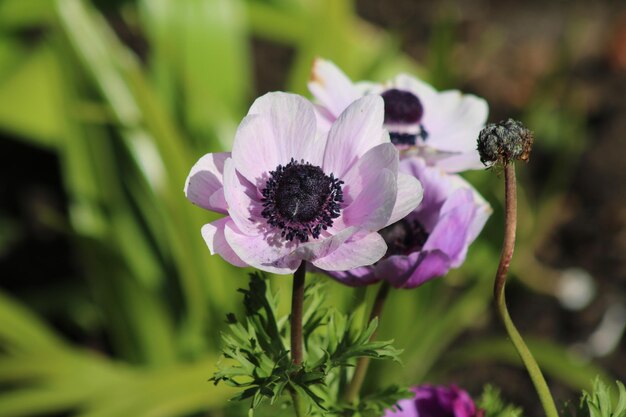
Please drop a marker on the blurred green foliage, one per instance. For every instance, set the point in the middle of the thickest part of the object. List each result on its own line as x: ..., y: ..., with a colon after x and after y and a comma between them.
x: 127, y: 129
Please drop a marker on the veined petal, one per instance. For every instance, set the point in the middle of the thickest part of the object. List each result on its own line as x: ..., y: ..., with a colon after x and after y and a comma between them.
x: 410, y: 194
x: 213, y: 234
x: 255, y: 149
x: 278, y: 127
x: 319, y: 248
x: 242, y: 205
x: 357, y: 130
x: 483, y: 209
x: 450, y: 232
x: 331, y: 87
x: 455, y: 125
x: 204, y: 185
x: 372, y: 208
x: 427, y: 265
x: 262, y: 252
x: 397, y: 268
x: 356, y: 277
x: 354, y: 253
x: 293, y: 122
x: 383, y: 156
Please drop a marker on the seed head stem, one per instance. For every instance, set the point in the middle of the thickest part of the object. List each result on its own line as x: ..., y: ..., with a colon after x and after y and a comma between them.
x: 510, y: 224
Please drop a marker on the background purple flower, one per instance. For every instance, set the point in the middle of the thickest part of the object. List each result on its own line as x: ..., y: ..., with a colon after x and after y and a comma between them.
x: 291, y: 195
x: 436, y: 401
x: 433, y: 238
x: 441, y: 127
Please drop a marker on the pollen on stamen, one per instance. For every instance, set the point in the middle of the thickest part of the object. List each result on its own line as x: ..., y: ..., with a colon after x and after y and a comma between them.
x: 301, y: 201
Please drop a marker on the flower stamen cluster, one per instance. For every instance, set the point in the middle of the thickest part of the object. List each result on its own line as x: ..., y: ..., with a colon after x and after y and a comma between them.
x: 301, y: 200
x: 403, y: 116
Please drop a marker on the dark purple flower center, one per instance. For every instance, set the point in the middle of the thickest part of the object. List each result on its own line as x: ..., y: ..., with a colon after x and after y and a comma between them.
x: 405, y: 236
x: 301, y: 200
x: 402, y: 107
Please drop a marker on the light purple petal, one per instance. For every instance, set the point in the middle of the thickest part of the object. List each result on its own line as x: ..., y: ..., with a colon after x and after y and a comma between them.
x: 331, y: 87
x: 293, y: 121
x: 406, y: 409
x: 410, y: 193
x: 319, y: 248
x: 430, y: 264
x: 357, y: 130
x: 397, y: 268
x: 240, y: 196
x: 264, y: 253
x: 204, y: 185
x: 455, y: 125
x: 356, y: 277
x: 279, y: 127
x: 458, y: 162
x: 372, y: 208
x: 384, y: 156
x: 436, y: 185
x: 483, y: 209
x: 354, y: 254
x: 213, y: 234
x: 450, y: 232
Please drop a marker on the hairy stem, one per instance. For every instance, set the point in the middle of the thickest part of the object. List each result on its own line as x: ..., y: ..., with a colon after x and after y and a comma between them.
x: 353, y: 389
x: 510, y: 220
x: 297, y: 301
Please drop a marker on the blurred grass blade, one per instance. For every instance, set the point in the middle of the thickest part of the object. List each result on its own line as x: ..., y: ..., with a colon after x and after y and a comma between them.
x: 30, y: 98
x: 21, y: 330
x: 141, y: 115
x: 201, y: 44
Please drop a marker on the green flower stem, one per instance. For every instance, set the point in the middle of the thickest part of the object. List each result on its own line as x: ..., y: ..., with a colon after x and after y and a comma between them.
x: 510, y: 221
x: 353, y: 389
x: 297, y: 302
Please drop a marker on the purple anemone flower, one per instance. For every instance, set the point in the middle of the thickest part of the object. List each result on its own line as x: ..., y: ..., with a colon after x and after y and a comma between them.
x: 433, y: 238
x: 291, y: 194
x: 436, y: 401
x: 442, y: 127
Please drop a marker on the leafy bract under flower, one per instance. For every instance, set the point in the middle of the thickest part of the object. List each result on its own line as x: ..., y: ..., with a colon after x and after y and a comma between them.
x: 439, y: 126
x: 292, y: 194
x: 433, y: 238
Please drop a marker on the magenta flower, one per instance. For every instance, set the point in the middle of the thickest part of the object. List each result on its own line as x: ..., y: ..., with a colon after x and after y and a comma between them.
x: 442, y: 127
x: 291, y: 194
x: 436, y: 401
x: 433, y: 238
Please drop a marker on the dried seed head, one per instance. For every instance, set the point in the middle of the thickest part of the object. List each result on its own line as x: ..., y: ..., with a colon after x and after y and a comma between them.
x: 505, y: 141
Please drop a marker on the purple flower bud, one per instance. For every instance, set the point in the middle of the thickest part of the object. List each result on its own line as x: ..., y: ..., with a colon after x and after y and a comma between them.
x: 436, y: 401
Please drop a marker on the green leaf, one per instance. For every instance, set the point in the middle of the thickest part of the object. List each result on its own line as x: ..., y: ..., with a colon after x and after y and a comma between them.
x: 30, y: 99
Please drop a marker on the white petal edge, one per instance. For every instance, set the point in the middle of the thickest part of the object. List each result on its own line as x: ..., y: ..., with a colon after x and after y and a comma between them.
x: 410, y: 194
x: 372, y: 208
x: 331, y: 87
x: 354, y: 253
x: 213, y: 234
x: 358, y: 129
x: 204, y: 185
x: 241, y: 207
x: 260, y: 253
x: 294, y: 124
